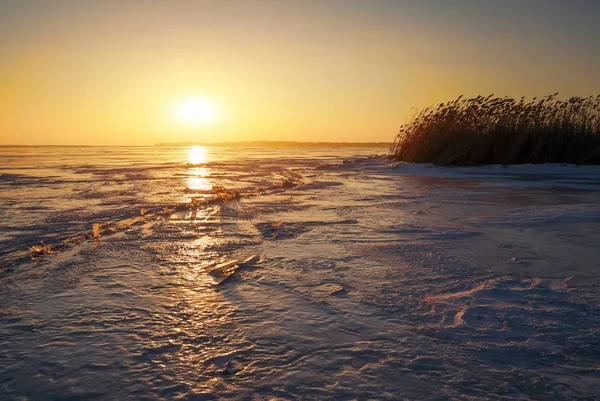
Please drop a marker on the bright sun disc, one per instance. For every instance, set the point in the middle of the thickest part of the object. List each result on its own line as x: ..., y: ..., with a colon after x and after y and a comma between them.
x: 196, y: 110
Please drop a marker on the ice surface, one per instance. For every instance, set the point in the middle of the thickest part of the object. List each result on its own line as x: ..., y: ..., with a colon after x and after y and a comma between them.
x: 367, y: 280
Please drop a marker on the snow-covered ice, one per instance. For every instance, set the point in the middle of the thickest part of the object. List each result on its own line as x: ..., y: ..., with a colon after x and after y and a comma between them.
x: 372, y: 280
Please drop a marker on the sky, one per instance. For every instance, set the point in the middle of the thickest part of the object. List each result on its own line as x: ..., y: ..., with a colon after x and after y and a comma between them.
x: 118, y: 72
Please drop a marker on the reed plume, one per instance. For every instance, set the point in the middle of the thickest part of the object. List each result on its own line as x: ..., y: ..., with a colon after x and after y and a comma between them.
x: 493, y: 130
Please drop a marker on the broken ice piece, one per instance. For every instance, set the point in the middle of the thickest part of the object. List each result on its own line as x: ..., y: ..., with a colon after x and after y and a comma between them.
x: 252, y: 260
x: 223, y: 271
x: 96, y: 230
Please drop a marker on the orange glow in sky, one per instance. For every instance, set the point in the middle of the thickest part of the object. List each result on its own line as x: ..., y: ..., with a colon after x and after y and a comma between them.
x: 143, y: 72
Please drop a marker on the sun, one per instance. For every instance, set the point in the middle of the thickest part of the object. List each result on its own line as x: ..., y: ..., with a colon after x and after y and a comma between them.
x: 196, y: 110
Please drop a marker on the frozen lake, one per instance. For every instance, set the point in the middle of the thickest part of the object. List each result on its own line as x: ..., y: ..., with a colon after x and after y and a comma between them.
x: 376, y: 280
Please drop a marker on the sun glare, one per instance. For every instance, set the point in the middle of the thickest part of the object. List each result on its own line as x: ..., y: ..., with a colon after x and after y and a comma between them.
x: 197, y: 155
x: 197, y: 179
x: 196, y: 110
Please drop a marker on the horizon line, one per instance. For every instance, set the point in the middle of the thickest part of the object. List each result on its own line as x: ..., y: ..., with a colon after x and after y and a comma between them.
x: 232, y: 143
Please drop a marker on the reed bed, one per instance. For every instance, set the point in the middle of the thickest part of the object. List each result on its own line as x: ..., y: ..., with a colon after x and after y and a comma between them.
x: 493, y: 130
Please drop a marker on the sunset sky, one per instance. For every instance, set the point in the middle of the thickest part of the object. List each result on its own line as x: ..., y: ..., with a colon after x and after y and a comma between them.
x: 127, y: 72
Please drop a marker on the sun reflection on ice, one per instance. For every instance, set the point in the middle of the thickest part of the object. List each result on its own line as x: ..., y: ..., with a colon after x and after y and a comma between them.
x: 197, y: 174
x: 197, y: 155
x: 197, y: 179
x: 197, y: 182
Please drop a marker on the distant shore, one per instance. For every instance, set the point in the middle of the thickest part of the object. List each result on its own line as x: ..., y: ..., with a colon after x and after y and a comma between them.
x: 281, y: 144
x: 245, y: 144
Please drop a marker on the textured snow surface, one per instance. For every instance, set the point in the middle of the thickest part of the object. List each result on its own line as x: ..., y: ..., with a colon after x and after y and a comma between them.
x: 374, y: 280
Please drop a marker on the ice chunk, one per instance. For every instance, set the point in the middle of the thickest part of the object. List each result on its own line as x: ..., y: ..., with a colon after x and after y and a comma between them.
x: 96, y: 230
x: 252, y: 260
x: 223, y: 271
